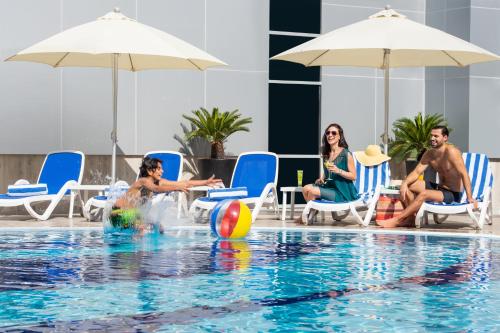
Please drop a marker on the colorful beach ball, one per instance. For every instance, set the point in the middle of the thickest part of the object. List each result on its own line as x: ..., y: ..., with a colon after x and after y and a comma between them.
x: 231, y: 219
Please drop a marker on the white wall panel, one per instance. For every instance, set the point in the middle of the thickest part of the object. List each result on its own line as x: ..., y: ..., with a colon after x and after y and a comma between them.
x: 238, y: 32
x: 350, y: 103
x: 247, y: 92
x: 29, y: 93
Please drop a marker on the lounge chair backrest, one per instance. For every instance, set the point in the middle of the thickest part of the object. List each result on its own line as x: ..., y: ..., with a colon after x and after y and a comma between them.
x: 60, y: 167
x: 478, y: 167
x: 254, y: 170
x: 171, y: 163
x: 368, y: 177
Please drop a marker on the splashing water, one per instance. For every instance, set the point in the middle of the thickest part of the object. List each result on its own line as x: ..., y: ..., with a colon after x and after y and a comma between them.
x: 149, y: 216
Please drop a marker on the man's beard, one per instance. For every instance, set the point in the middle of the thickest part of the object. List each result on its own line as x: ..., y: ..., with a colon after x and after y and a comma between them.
x: 436, y: 145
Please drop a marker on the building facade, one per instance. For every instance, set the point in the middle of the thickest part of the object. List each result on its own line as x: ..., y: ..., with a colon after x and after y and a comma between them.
x: 45, y: 109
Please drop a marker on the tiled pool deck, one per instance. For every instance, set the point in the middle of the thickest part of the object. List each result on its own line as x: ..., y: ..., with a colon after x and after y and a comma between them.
x: 454, y: 224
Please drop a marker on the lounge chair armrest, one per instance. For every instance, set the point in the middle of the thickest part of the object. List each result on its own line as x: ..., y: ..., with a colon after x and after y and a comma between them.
x: 270, y: 187
x: 486, y: 194
x: 376, y: 193
x: 66, y: 187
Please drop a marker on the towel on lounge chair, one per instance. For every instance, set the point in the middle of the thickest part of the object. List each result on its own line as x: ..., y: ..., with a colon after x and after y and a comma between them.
x: 25, y: 190
x: 227, y: 193
x: 116, y: 191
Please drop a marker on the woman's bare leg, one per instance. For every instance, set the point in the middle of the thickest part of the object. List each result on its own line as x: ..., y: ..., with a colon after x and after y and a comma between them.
x: 311, y: 192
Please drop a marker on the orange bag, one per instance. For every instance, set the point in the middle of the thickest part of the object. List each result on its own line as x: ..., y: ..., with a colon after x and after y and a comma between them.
x: 388, y: 207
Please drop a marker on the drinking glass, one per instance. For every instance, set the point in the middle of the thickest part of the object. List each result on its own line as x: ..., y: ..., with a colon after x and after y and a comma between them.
x: 300, y: 174
x: 328, y: 164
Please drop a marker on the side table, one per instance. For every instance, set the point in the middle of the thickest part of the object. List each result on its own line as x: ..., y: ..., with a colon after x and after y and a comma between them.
x: 76, y: 190
x: 292, y: 190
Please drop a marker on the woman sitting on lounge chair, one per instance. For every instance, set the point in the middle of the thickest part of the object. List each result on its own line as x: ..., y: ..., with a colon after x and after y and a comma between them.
x: 125, y: 212
x: 336, y: 183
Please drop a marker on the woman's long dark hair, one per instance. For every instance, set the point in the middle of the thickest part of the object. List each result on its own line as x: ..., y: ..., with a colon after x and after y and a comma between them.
x: 148, y: 164
x: 325, y: 148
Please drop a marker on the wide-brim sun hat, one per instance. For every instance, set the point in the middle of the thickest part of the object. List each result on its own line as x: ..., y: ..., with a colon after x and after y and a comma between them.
x: 372, y: 155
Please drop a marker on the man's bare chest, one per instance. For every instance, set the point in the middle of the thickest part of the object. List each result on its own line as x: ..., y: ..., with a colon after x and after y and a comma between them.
x: 442, y: 165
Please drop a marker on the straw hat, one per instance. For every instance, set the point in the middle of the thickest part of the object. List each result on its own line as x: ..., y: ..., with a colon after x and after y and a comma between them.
x: 371, y: 156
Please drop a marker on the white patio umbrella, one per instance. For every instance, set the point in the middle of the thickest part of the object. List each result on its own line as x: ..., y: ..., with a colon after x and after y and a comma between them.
x: 386, y: 39
x: 118, y: 42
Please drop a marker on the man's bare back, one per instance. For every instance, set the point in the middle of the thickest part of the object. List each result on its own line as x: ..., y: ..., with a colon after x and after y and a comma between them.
x: 444, y: 163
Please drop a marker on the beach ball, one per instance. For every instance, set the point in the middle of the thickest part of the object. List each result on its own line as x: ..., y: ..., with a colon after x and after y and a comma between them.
x: 231, y: 219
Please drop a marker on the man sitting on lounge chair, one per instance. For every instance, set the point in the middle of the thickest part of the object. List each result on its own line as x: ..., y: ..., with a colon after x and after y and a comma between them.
x: 447, y: 161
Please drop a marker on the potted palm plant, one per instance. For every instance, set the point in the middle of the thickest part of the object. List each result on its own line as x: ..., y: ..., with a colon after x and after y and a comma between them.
x: 412, y: 138
x: 216, y: 127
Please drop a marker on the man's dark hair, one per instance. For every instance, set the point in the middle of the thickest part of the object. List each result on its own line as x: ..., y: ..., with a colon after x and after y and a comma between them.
x: 444, y: 130
x: 148, y: 164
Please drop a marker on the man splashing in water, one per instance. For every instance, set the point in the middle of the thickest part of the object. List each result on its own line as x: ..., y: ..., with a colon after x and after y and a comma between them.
x: 126, y: 214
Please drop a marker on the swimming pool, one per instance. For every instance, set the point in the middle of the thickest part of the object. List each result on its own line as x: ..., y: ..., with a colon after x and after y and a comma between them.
x: 275, y: 281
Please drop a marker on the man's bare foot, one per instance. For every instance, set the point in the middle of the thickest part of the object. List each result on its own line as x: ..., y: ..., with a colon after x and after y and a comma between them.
x: 390, y: 223
x: 298, y: 220
x: 409, y: 222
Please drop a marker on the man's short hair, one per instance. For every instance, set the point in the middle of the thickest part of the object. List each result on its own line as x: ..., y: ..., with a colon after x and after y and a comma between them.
x: 444, y: 129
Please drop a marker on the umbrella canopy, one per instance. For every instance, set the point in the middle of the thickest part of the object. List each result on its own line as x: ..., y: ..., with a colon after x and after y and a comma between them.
x: 118, y: 42
x: 387, y: 39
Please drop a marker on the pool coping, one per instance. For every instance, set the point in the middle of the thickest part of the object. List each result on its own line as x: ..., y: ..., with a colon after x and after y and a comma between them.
x: 295, y: 229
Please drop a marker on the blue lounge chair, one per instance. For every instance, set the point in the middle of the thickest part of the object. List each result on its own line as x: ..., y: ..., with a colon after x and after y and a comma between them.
x: 255, y: 171
x: 369, y: 182
x: 478, y: 167
x: 172, y: 162
x: 60, y: 171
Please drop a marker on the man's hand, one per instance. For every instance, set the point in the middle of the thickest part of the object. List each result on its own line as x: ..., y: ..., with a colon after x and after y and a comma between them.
x: 212, y: 181
x: 402, y: 191
x: 474, y: 203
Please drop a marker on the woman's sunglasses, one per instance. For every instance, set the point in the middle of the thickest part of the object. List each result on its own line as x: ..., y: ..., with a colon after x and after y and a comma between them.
x: 334, y: 133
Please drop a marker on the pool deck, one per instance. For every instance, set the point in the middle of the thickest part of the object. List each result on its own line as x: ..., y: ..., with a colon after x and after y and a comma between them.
x: 458, y: 224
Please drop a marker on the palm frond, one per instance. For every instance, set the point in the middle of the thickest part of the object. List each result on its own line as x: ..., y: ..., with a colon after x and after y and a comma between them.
x: 412, y: 136
x: 215, y: 126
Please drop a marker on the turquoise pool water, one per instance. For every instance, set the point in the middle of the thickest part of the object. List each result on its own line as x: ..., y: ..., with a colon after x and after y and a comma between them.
x: 187, y: 281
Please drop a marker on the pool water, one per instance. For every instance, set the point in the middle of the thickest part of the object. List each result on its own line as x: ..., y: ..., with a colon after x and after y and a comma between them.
x: 187, y: 281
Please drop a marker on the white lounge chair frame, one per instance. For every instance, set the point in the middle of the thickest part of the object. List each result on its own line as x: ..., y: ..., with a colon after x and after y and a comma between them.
x: 483, y: 197
x: 54, y: 199
x: 268, y: 196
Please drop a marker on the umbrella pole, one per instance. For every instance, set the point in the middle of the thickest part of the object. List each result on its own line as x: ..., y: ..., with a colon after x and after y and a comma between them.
x: 114, y: 138
x: 387, y: 53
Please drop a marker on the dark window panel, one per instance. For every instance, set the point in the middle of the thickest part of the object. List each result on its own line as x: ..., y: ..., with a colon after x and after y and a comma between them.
x: 285, y: 70
x: 294, y: 118
x: 295, y: 15
x: 288, y: 175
